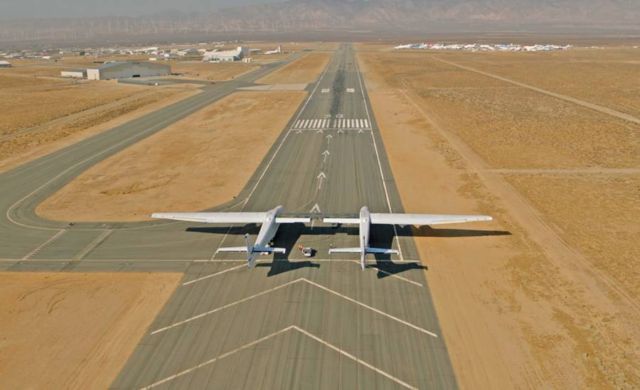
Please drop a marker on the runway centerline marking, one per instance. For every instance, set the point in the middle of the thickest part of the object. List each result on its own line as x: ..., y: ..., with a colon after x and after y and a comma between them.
x: 265, y: 292
x: 275, y: 153
x: 272, y: 335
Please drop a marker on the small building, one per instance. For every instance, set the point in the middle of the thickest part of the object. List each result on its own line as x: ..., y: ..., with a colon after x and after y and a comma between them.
x: 128, y: 69
x: 5, y: 64
x: 74, y: 73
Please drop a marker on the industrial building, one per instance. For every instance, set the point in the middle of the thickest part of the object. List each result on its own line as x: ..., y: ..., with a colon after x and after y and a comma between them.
x: 129, y: 69
x: 5, y: 64
x: 237, y: 54
x: 74, y: 73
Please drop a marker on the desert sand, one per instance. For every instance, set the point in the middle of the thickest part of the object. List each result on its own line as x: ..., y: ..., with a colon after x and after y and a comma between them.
x: 74, y: 330
x: 197, y: 163
x: 607, y: 77
x: 209, y: 71
x: 305, y: 69
x: 534, y: 302
x: 53, y: 132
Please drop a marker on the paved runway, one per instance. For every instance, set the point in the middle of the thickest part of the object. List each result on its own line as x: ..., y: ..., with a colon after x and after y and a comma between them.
x: 292, y: 322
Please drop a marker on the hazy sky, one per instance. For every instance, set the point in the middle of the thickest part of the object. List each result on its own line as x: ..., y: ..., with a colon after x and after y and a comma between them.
x: 12, y: 9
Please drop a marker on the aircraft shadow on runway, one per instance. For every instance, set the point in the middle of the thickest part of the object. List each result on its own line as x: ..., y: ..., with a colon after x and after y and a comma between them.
x: 382, y: 236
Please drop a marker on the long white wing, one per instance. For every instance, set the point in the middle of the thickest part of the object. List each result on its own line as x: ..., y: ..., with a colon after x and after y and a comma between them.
x: 424, y: 219
x: 249, y: 217
x: 241, y: 217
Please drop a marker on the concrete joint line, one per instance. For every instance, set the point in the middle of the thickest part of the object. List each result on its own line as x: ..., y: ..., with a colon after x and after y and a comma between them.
x: 272, y: 335
x: 265, y: 292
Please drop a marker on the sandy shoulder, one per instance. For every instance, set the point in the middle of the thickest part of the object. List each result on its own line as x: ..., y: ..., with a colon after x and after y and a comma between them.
x: 74, y: 330
x: 515, y: 312
x: 304, y: 70
x: 197, y: 163
x: 30, y: 146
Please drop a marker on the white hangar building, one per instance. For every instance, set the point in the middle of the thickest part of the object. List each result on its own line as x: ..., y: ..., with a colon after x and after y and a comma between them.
x: 227, y: 55
x: 128, y: 69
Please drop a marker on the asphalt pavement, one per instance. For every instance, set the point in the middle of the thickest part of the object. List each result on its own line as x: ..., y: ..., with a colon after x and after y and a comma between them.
x: 292, y: 322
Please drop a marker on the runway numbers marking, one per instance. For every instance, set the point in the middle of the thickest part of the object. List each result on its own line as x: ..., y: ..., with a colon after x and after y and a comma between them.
x: 331, y: 124
x: 272, y: 335
x: 325, y: 90
x: 351, y: 90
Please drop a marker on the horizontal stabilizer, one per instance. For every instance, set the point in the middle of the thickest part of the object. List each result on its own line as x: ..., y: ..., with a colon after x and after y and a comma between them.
x: 268, y: 249
x: 383, y: 251
x: 292, y: 220
x: 347, y: 221
x: 345, y: 250
x: 242, y: 249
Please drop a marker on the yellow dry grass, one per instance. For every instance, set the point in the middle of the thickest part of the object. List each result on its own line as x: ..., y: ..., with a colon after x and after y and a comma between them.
x: 609, y: 77
x: 34, y: 133
x: 597, y: 213
x: 211, y: 71
x: 200, y: 162
x: 303, y: 70
x: 511, y: 126
x: 19, y: 98
x: 547, y: 305
x: 74, y: 330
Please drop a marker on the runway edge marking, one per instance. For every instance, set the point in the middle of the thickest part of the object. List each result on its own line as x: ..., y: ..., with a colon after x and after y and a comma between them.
x: 375, y: 147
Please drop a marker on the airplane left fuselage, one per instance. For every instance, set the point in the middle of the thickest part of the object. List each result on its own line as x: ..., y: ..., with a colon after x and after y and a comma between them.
x: 269, y: 228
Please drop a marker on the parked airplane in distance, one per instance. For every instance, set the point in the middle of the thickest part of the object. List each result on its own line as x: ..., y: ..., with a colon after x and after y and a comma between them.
x: 271, y: 220
x: 366, y: 219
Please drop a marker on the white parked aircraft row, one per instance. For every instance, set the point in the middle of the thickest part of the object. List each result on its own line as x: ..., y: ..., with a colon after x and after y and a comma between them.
x: 271, y: 220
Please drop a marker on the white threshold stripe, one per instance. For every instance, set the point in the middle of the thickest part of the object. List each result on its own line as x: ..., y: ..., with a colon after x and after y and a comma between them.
x: 372, y: 308
x: 354, y: 358
x: 213, y: 275
x: 210, y: 361
x: 204, y: 314
x: 272, y: 335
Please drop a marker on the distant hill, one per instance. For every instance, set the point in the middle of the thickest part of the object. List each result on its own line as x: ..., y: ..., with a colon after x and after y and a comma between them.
x: 344, y: 15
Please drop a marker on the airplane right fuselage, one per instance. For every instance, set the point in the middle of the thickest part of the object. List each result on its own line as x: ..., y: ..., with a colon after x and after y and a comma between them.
x: 365, y: 224
x: 269, y: 228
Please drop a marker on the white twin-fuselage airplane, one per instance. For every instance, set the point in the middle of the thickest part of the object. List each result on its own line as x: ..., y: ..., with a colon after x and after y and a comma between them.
x: 271, y: 220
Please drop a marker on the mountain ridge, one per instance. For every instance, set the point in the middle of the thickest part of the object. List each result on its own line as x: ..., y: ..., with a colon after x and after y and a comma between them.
x: 318, y: 15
